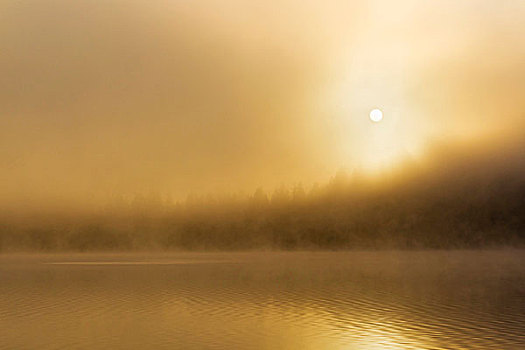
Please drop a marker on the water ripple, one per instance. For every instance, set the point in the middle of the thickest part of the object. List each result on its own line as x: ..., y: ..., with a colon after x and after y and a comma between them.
x: 264, y: 301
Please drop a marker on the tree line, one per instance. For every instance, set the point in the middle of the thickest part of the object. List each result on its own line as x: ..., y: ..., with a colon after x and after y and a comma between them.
x: 454, y: 199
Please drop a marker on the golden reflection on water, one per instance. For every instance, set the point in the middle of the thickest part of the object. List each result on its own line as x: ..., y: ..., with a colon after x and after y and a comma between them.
x: 360, y: 300
x: 391, y: 341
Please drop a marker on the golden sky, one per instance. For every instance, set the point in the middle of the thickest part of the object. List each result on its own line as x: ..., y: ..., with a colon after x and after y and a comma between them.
x: 123, y: 96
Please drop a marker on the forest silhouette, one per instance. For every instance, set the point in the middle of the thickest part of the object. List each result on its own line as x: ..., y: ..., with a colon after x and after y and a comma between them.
x: 458, y: 196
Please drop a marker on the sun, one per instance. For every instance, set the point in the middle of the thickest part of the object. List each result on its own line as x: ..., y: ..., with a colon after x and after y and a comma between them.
x: 376, y: 115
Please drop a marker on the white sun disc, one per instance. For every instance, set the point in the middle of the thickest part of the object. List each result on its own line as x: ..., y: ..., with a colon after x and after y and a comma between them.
x: 376, y: 115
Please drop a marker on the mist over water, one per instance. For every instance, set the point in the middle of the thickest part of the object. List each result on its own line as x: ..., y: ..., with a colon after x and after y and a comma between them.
x: 359, y: 300
x: 206, y: 175
x: 457, y: 197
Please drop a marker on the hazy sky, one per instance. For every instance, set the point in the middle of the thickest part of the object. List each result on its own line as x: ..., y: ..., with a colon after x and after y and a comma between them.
x: 124, y: 96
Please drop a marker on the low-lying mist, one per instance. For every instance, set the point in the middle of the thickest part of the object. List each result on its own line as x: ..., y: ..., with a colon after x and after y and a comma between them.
x: 458, y: 196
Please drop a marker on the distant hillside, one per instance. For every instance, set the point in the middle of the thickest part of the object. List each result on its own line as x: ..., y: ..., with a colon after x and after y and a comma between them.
x: 460, y: 196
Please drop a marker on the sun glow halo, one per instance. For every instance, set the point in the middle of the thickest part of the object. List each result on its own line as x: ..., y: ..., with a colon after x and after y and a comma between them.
x: 376, y: 115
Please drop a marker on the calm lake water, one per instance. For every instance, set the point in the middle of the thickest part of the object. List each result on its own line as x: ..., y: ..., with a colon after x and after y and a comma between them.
x: 351, y: 300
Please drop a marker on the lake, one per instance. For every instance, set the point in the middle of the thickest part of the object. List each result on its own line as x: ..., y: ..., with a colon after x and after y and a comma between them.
x: 264, y: 300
